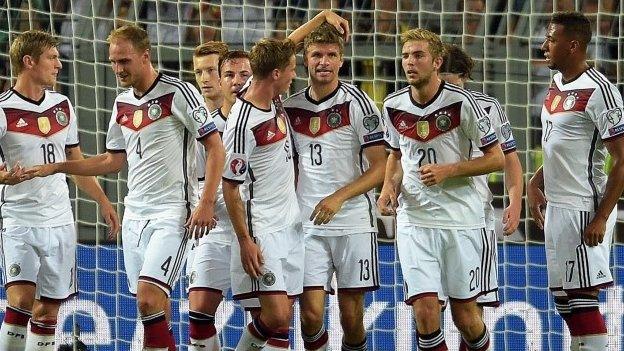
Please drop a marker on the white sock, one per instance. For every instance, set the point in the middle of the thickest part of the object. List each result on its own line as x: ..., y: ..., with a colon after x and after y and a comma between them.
x: 598, y: 342
x: 14, y: 329
x: 37, y: 341
x: 210, y: 344
x: 574, y: 343
x: 249, y: 342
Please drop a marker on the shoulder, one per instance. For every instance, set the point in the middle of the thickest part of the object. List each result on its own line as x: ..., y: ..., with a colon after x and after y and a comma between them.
x: 294, y: 99
x: 362, y: 100
x: 464, y: 96
x: 5, y: 97
x: 184, y: 89
x: 395, y: 97
x: 606, y: 90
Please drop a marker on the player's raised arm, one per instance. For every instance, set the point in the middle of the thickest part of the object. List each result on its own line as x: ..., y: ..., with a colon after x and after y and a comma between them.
x: 341, y: 24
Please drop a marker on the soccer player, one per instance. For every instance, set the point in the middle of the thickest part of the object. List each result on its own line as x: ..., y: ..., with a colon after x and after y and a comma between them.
x: 153, y: 126
x: 259, y: 192
x: 209, y: 278
x: 440, y: 222
x: 456, y: 69
x: 206, y: 67
x: 570, y: 196
x: 338, y: 137
x: 38, y: 231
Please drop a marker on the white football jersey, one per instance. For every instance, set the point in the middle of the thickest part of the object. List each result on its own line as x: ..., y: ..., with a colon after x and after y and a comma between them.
x: 34, y: 133
x: 330, y: 136
x: 224, y: 231
x: 158, y: 131
x: 440, y: 131
x: 577, y: 117
x: 258, y: 155
x: 502, y: 128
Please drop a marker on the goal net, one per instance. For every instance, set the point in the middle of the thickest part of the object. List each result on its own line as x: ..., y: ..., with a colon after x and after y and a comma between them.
x: 504, y: 38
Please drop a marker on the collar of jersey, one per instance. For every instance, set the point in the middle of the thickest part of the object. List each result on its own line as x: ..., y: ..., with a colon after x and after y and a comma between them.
x: 331, y: 95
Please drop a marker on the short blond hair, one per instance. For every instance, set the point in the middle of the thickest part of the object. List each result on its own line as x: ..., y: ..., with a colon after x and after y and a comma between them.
x: 211, y: 48
x: 324, y: 34
x: 436, y: 47
x: 132, y: 33
x: 270, y: 54
x: 32, y: 43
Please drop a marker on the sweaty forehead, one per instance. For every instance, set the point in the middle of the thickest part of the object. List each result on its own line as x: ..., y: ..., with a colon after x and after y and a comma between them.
x: 415, y: 46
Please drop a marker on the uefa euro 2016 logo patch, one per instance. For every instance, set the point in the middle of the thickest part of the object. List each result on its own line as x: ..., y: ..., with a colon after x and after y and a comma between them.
x: 238, y: 166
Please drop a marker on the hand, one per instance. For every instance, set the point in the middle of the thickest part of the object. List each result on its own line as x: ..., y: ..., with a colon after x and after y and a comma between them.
x: 16, y: 175
x: 595, y: 231
x: 326, y: 209
x: 110, y: 217
x: 432, y: 174
x: 537, y: 204
x: 41, y: 170
x: 387, y: 202
x: 251, y: 258
x: 511, y: 218
x: 341, y: 24
x: 201, y: 220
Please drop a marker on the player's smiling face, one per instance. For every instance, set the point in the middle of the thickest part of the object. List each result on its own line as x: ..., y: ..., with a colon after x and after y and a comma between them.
x: 47, y: 67
x: 286, y: 76
x: 556, y: 46
x: 207, y: 75
x: 128, y: 63
x: 418, y: 63
x: 323, y: 62
x: 234, y: 74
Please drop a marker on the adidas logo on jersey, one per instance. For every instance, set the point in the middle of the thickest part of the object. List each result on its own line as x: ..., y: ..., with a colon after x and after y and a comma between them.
x: 600, y: 275
x: 270, y: 135
x: 402, y: 125
x: 21, y: 123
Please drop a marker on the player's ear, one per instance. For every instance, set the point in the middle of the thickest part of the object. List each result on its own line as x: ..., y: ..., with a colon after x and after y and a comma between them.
x: 575, y: 46
x: 28, y: 61
x: 275, y: 74
x: 437, y: 62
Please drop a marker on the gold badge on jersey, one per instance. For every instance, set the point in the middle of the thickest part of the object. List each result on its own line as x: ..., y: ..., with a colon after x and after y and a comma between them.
x: 315, y: 124
x: 555, y: 102
x: 422, y: 129
x: 137, y: 118
x: 44, y: 125
x: 281, y: 124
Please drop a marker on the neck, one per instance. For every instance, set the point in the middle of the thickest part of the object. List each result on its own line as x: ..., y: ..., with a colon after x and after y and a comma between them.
x: 214, y: 104
x: 574, y: 69
x: 141, y: 87
x: 319, y: 91
x: 26, y: 87
x: 261, y: 93
x: 226, y: 107
x: 425, y: 93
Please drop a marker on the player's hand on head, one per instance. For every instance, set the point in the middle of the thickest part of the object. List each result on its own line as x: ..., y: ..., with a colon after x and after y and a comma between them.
x: 110, y: 218
x: 201, y: 220
x: 537, y: 204
x: 511, y: 218
x: 387, y: 201
x: 595, y: 231
x: 432, y: 174
x: 341, y: 24
x: 326, y: 209
x: 251, y: 258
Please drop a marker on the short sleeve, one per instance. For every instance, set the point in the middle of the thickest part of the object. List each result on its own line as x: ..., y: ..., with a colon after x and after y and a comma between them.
x: 3, y: 123
x: 239, y: 143
x: 72, y: 135
x: 475, y: 123
x: 606, y: 111
x: 114, y: 138
x: 201, y: 161
x: 193, y: 112
x: 368, y: 121
x: 502, y: 128
x: 391, y: 135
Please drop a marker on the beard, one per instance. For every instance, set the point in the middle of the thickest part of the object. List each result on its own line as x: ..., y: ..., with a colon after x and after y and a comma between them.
x: 421, y: 82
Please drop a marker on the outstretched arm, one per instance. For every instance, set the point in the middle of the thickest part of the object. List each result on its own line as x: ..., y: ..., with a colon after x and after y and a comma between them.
x: 341, y: 24
x: 109, y: 162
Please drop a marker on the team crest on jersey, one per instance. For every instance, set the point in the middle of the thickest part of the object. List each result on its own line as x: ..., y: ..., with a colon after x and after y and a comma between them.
x: 371, y: 123
x: 555, y: 102
x: 569, y: 101
x: 200, y: 115
x: 238, y: 166
x: 61, y: 117
x: 443, y: 122
x: 281, y: 125
x: 422, y: 129
x: 44, y: 124
x: 315, y: 124
x: 15, y: 270
x: 484, y: 124
x: 154, y: 111
x: 614, y: 116
x: 268, y: 279
x: 334, y: 119
x: 137, y: 118
x: 506, y: 131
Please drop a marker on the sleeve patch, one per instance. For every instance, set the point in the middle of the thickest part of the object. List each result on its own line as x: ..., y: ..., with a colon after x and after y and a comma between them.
x: 207, y: 129
x: 488, y: 139
x: 371, y: 123
x: 373, y: 137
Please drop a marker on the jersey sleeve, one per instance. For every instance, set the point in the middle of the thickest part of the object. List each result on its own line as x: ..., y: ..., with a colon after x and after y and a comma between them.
x: 606, y: 110
x: 115, y: 141
x: 72, y: 135
x: 3, y: 123
x: 239, y: 143
x: 367, y: 120
x: 201, y: 161
x: 502, y: 128
x: 193, y: 112
x: 475, y: 123
x: 391, y: 135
